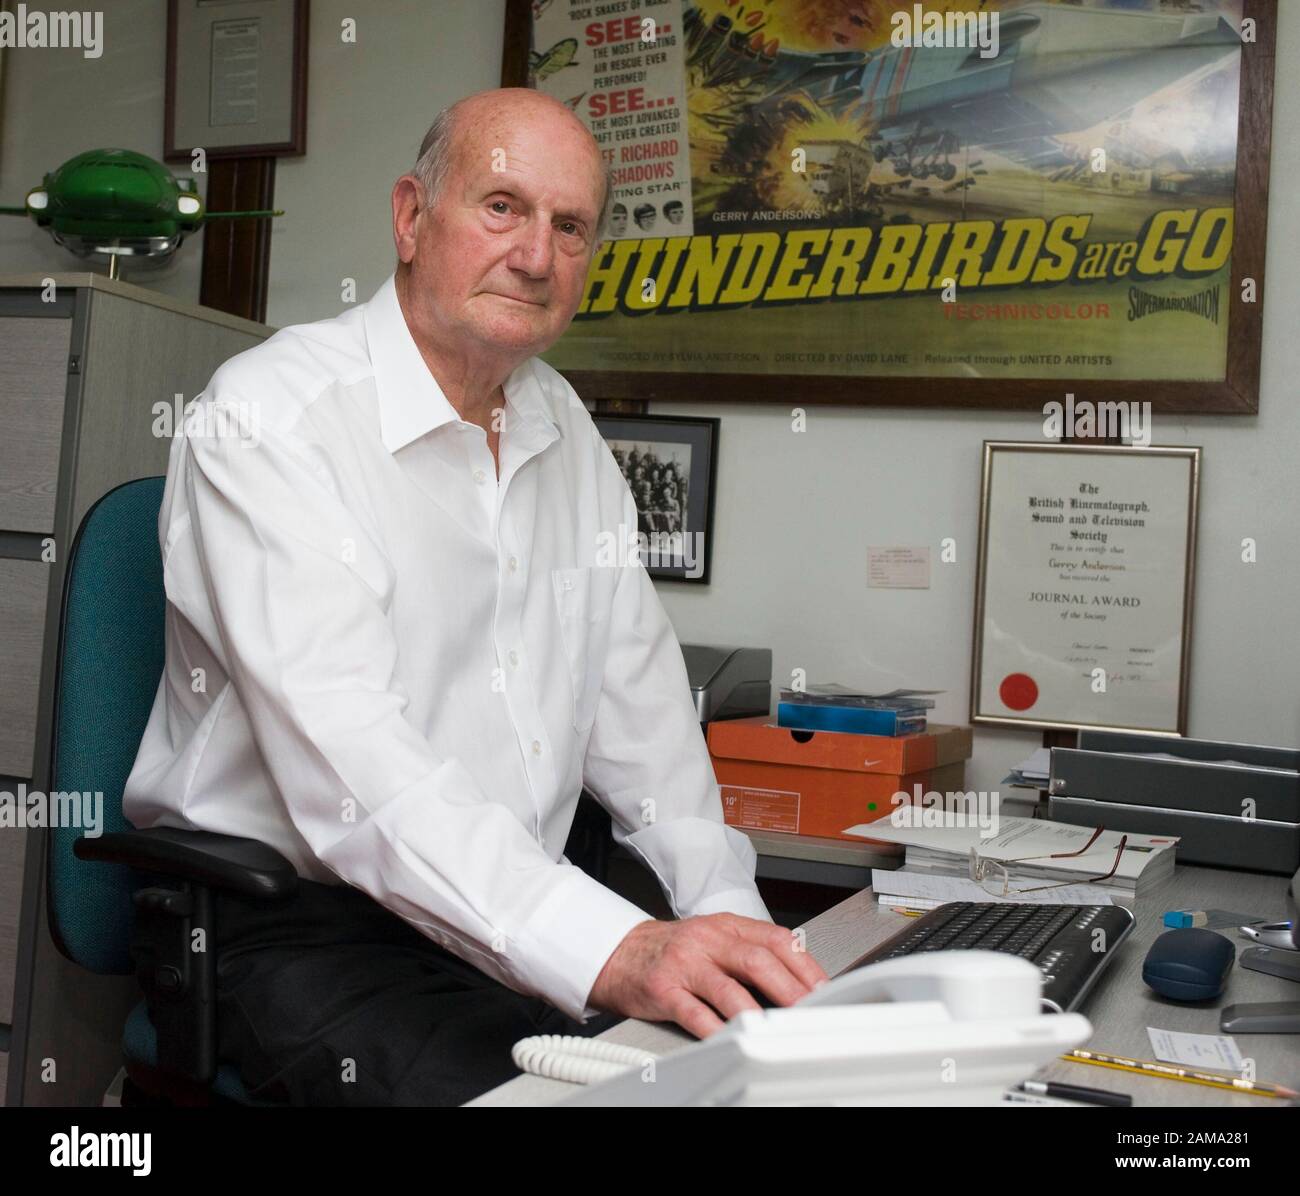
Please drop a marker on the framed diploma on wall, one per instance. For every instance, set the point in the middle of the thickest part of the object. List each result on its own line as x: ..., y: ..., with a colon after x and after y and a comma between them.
x: 236, y: 81
x: 1083, y: 599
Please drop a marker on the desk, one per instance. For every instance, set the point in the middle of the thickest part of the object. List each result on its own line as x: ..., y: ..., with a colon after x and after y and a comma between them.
x: 839, y: 863
x: 1120, y: 1007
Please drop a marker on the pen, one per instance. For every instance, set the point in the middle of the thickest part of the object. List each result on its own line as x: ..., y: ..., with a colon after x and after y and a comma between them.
x: 1091, y: 1096
x: 1013, y: 1096
x: 1171, y: 1071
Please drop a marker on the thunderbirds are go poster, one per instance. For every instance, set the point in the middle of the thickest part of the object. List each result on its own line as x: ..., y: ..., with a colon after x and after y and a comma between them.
x: 1029, y: 189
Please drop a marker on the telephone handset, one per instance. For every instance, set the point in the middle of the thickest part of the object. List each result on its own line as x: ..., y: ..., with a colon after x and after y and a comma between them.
x: 969, y: 984
x: 940, y: 1028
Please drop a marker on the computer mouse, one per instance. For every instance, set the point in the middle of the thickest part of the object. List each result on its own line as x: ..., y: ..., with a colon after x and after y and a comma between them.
x: 1189, y: 965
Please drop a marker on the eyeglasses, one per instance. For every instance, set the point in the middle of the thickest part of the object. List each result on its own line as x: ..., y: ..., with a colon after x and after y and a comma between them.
x: 992, y: 875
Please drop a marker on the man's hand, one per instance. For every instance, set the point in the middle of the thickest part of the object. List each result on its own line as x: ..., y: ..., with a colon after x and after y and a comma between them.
x: 685, y: 971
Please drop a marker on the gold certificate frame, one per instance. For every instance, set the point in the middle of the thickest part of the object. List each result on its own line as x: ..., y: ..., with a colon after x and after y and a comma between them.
x: 1083, y: 596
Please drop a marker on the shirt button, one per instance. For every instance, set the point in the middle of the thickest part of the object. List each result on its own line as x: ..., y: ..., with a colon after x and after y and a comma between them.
x: 537, y: 747
x: 514, y: 659
x: 513, y: 562
x: 479, y: 476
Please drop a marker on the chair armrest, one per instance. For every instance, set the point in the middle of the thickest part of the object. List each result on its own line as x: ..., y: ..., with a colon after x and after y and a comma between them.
x: 227, y: 862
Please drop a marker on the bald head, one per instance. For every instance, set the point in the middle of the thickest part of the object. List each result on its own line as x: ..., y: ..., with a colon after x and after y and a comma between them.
x: 487, y: 119
x: 495, y: 228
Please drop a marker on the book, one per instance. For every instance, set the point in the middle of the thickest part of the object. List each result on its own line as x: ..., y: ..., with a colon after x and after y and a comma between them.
x: 799, y: 716
x: 945, y: 850
x: 904, y: 889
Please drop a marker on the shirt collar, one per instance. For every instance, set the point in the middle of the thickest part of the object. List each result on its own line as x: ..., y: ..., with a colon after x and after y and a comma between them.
x: 411, y: 403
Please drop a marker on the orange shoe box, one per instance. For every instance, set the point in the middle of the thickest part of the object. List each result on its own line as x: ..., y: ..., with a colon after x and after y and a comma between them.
x: 822, y: 782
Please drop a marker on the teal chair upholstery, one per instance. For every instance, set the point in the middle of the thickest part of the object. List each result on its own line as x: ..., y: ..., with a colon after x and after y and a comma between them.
x: 110, y: 659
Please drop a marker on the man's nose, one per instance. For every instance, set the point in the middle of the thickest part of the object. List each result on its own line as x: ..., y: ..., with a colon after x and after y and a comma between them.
x: 533, y: 251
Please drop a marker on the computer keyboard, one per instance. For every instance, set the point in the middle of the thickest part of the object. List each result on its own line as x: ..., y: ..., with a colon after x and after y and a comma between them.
x: 1062, y: 940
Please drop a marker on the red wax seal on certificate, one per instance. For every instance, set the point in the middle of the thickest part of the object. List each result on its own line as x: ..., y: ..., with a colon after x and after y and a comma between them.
x: 1018, y: 691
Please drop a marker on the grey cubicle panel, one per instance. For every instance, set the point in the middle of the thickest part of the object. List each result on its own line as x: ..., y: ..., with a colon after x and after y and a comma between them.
x: 82, y: 363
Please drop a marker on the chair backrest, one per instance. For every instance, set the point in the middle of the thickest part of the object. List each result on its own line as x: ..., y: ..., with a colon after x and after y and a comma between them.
x: 110, y: 659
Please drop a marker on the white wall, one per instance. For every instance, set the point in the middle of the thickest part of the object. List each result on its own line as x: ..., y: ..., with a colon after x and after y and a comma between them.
x: 795, y: 512
x: 368, y: 105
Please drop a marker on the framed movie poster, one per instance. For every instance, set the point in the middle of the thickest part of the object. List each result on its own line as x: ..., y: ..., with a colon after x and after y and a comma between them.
x: 670, y: 463
x: 236, y: 78
x: 950, y: 204
x: 1083, y: 599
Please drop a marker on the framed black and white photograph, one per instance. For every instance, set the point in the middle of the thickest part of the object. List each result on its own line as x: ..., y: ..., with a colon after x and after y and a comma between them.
x: 670, y: 466
x: 1083, y: 604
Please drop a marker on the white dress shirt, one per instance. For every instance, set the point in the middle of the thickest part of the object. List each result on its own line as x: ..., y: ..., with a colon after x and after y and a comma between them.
x: 399, y: 669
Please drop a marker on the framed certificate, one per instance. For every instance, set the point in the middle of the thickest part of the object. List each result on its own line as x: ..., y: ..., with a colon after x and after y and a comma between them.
x: 1083, y: 599
x: 236, y: 78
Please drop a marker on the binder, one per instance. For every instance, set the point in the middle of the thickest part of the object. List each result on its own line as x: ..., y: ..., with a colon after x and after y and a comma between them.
x: 1232, y: 804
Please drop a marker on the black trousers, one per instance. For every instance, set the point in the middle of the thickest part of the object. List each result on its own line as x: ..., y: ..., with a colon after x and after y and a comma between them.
x: 331, y: 999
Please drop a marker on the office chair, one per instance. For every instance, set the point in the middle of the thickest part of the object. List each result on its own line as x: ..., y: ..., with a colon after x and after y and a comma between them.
x: 130, y: 901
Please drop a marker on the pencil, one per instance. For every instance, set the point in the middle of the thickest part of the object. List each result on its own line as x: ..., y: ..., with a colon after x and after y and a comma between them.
x: 1171, y: 1071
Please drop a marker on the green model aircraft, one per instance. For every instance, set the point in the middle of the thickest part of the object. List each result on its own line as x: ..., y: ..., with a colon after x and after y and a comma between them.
x: 118, y: 203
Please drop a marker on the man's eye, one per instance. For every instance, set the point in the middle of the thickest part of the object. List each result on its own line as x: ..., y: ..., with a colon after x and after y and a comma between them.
x: 568, y: 226
x: 500, y: 207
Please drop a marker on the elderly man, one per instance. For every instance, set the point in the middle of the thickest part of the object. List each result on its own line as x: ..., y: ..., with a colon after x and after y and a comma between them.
x: 396, y: 650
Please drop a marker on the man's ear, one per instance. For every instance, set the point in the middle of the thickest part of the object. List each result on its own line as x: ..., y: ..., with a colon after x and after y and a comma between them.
x: 408, y: 206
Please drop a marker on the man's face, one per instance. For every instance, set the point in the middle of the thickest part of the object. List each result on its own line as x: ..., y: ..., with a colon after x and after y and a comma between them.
x: 501, y: 255
x: 618, y: 221
x: 675, y: 213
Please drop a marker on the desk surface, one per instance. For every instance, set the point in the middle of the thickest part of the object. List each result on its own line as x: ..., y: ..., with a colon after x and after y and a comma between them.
x: 1120, y: 1008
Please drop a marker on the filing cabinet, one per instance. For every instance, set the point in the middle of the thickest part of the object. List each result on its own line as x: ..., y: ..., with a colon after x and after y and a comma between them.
x: 83, y: 361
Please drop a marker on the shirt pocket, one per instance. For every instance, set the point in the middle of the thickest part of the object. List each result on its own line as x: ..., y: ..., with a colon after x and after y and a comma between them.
x: 584, y: 599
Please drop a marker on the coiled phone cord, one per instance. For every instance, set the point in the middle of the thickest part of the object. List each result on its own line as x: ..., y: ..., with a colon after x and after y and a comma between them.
x: 577, y: 1060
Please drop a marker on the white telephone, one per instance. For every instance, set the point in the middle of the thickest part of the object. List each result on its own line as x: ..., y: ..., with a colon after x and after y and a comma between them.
x: 941, y: 1028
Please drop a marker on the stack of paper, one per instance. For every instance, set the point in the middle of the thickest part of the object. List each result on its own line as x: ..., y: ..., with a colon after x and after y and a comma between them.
x: 915, y: 890
x: 944, y: 851
x: 1033, y: 772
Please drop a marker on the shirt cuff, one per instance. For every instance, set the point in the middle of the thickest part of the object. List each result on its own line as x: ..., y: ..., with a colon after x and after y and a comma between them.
x: 569, y: 938
x: 745, y: 902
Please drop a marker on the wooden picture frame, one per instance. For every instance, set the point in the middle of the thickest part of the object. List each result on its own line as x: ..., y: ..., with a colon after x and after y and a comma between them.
x: 288, y: 84
x: 1237, y: 392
